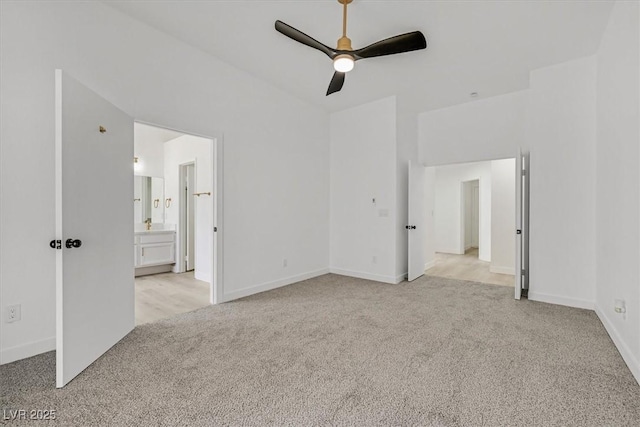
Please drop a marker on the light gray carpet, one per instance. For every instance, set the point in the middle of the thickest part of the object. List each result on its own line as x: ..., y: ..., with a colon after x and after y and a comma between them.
x: 341, y: 351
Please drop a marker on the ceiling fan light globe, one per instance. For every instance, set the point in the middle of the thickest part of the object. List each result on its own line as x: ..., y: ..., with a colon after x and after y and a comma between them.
x: 343, y: 63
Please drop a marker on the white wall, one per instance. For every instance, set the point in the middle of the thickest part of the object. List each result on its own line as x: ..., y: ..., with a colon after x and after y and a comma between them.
x: 561, y: 133
x: 448, y: 218
x: 276, y: 182
x: 179, y: 151
x: 485, y: 129
x: 363, y: 168
x: 148, y: 149
x: 617, y: 194
x: 503, y: 216
x: 555, y: 121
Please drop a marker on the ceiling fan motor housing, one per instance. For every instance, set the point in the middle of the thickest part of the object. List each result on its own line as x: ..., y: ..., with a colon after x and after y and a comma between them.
x: 344, y: 43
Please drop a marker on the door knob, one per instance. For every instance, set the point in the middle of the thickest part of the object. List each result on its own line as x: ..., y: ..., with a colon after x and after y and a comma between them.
x: 71, y: 243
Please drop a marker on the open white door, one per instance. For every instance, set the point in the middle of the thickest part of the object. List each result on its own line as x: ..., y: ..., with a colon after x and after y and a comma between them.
x: 94, y: 227
x: 417, y: 217
x: 518, y: 272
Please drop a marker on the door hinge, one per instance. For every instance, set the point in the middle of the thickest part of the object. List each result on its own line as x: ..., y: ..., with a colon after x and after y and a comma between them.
x: 524, y: 172
x: 215, y: 229
x: 55, y: 244
x: 523, y: 272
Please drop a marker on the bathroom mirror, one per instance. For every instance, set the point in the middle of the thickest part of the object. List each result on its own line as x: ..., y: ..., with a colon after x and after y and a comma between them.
x: 148, y: 199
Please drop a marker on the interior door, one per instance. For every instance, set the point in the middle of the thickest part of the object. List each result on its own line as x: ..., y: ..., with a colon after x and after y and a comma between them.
x: 518, y: 275
x: 94, y: 226
x: 417, y: 217
x: 526, y: 179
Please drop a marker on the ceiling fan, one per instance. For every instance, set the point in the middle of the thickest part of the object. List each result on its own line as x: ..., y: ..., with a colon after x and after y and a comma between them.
x: 344, y: 57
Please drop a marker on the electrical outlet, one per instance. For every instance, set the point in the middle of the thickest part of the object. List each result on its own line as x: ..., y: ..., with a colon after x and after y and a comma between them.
x: 284, y: 263
x: 13, y: 313
x: 619, y: 306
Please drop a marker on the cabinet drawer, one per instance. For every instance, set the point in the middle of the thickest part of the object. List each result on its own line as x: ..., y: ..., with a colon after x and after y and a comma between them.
x: 156, y: 238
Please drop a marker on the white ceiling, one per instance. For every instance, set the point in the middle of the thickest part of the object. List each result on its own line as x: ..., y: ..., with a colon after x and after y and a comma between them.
x: 487, y: 47
x: 151, y: 134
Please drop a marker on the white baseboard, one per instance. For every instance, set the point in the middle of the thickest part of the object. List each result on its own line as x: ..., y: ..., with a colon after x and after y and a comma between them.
x: 401, y: 278
x: 632, y: 362
x: 429, y: 264
x: 555, y: 299
x: 368, y: 276
x: 23, y: 351
x: 502, y: 270
x: 143, y: 271
x: 272, y: 285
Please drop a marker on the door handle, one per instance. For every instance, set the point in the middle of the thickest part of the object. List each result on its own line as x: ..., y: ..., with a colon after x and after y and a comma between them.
x: 73, y: 243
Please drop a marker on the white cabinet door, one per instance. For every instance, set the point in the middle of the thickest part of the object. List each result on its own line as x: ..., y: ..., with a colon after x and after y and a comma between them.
x: 94, y: 189
x: 157, y: 254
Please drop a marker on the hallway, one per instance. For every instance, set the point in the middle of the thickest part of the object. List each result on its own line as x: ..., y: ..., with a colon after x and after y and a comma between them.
x: 467, y: 267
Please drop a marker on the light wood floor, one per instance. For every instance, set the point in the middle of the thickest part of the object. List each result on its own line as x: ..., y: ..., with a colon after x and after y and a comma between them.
x: 160, y: 296
x: 467, y: 267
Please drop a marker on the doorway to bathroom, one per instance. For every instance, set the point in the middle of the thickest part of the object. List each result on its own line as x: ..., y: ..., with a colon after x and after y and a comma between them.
x: 175, y: 202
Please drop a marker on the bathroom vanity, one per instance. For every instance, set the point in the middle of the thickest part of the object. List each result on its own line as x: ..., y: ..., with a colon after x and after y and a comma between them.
x: 154, y: 244
x: 154, y: 251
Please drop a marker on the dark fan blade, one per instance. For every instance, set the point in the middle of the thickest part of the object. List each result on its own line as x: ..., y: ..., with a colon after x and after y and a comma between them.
x: 398, y: 44
x: 336, y: 83
x: 301, y: 37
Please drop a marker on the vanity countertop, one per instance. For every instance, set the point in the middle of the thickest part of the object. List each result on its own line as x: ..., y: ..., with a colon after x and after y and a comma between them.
x: 137, y: 233
x: 157, y: 228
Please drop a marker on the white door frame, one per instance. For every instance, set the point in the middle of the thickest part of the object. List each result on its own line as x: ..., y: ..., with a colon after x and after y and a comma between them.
x: 182, y: 217
x: 216, y: 286
x: 518, y: 272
